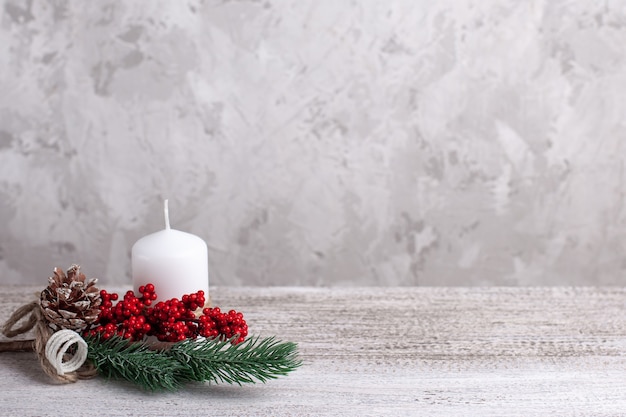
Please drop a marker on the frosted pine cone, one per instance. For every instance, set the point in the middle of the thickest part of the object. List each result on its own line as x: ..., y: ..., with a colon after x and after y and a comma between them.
x: 69, y: 302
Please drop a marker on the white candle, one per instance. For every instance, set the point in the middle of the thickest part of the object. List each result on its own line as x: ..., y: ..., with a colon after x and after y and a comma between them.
x: 175, y: 262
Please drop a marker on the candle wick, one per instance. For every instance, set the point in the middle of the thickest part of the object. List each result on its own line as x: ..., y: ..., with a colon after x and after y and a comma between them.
x: 166, y: 213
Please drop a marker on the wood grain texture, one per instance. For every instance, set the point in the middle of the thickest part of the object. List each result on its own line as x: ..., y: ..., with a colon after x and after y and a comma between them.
x: 385, y: 351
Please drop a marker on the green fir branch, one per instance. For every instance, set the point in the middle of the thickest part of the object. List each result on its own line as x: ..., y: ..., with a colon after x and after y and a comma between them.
x: 207, y: 360
x: 117, y: 358
x: 252, y: 360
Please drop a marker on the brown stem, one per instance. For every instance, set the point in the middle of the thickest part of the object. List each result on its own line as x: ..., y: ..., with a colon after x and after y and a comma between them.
x: 17, y: 346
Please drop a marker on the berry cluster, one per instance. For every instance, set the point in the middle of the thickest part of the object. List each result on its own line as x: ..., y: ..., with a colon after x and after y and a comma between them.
x: 126, y: 317
x: 169, y: 321
x: 174, y: 320
x: 214, y: 323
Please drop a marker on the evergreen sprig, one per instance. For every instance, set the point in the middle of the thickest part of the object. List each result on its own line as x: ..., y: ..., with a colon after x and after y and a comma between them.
x: 221, y: 361
x: 118, y: 358
x: 209, y: 360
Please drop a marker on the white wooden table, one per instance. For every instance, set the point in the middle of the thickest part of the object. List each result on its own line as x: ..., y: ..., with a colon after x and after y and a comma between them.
x: 383, y: 351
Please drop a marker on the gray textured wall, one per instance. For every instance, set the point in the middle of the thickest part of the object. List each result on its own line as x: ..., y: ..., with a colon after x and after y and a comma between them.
x: 318, y: 142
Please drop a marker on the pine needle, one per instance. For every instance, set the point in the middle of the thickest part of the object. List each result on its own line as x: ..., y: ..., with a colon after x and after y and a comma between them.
x: 218, y: 361
x: 209, y: 360
x: 135, y: 362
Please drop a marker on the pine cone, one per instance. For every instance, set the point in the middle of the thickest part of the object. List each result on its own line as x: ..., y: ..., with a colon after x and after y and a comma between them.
x: 68, y: 302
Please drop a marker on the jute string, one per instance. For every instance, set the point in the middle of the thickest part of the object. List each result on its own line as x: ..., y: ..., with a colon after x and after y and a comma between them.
x: 43, y: 333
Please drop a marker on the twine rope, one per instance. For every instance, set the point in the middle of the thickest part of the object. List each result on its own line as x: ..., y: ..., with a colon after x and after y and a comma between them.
x: 58, y: 346
x: 43, y: 334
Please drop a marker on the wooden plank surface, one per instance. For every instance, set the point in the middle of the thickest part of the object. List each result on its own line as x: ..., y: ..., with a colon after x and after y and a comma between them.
x: 384, y: 351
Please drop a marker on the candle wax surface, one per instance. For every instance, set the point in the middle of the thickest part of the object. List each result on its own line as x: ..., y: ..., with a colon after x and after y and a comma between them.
x: 175, y: 262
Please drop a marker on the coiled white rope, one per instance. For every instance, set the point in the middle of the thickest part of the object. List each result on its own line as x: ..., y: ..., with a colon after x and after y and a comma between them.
x: 58, y: 345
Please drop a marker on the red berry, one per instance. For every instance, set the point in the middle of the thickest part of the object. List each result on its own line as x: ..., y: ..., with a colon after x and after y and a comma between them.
x: 173, y: 320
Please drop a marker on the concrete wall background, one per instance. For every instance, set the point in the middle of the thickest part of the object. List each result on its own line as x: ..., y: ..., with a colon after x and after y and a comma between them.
x: 322, y: 142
